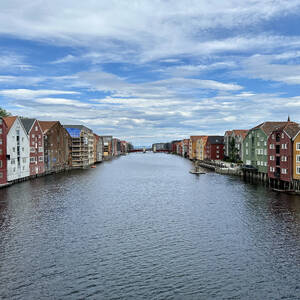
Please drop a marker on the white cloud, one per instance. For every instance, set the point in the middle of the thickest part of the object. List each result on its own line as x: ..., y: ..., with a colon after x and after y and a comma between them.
x: 29, y: 94
x: 61, y: 101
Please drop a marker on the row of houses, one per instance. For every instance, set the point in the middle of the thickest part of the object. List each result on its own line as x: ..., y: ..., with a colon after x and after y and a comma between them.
x: 270, y: 150
x: 30, y: 147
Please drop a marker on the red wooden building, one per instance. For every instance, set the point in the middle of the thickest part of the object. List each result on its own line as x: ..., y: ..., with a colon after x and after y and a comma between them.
x: 3, y: 161
x: 36, y: 145
x: 214, y: 148
x: 280, y: 151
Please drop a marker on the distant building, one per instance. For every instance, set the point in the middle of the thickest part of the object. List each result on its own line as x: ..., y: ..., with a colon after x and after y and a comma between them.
x: 36, y: 145
x: 193, y: 146
x: 214, y: 148
x: 3, y: 162
x: 200, y: 147
x: 17, y: 148
x: 107, y: 147
x: 238, y: 136
x: 98, y: 148
x: 57, y: 146
x: 82, y: 149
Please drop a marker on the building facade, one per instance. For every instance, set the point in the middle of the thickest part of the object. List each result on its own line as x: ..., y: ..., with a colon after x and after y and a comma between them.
x: 57, y: 144
x: 17, y: 149
x: 3, y: 161
x: 255, y: 153
x: 107, y: 147
x: 234, y: 139
x: 280, y: 152
x: 82, y: 153
x: 193, y: 146
x: 214, y: 148
x: 296, y: 156
x: 200, y: 148
x: 36, y: 144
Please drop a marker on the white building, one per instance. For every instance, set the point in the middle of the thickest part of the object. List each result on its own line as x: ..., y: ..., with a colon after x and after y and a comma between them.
x: 17, y: 149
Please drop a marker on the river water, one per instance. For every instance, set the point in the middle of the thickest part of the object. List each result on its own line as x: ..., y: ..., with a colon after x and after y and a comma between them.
x: 142, y: 227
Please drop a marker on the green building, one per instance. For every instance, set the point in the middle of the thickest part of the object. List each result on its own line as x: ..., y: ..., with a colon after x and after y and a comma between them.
x: 255, y: 145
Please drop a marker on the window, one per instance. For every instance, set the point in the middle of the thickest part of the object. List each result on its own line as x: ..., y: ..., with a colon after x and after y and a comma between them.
x: 13, y: 161
x: 282, y: 135
x: 271, y: 169
x: 272, y: 146
x: 1, y: 165
x: 32, y: 159
x: 258, y: 163
x: 258, y: 143
x: 0, y: 130
x: 32, y: 136
x: 298, y: 158
x: 32, y: 150
x: 265, y: 151
x: 283, y: 158
x: 40, y: 149
x: 22, y: 149
x: 283, y: 146
x: 298, y: 146
x: 0, y: 141
x: 298, y: 170
x: 273, y: 136
x: 272, y: 157
x: 36, y: 128
x: 1, y: 151
x: 265, y: 143
x: 265, y: 163
x: 247, y: 152
x: 14, y: 149
x: 1, y: 175
x: 283, y: 171
x: 41, y: 159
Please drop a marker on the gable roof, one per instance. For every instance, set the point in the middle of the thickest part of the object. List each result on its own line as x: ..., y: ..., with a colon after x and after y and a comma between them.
x: 46, y: 125
x: 9, y: 121
x: 27, y: 123
x: 269, y: 127
x: 292, y: 129
x: 215, y: 139
x: 240, y: 132
x: 79, y: 127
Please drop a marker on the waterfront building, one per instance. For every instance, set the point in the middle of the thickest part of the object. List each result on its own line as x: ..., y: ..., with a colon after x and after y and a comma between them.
x: 36, y: 145
x: 255, y: 147
x: 162, y: 147
x: 3, y: 161
x: 227, y: 137
x: 107, y: 147
x: 57, y: 146
x: 82, y: 152
x: 185, y: 147
x: 193, y: 145
x: 234, y: 138
x: 214, y: 148
x: 17, y: 149
x: 280, y: 151
x: 200, y: 147
x: 116, y: 149
x: 98, y: 148
x: 296, y: 156
x: 125, y: 147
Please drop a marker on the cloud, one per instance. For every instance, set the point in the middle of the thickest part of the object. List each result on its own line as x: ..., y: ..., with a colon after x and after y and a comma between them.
x: 29, y: 94
x: 61, y: 101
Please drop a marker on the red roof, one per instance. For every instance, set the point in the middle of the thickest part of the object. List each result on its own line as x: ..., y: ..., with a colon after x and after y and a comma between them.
x: 9, y: 121
x: 46, y: 125
x: 241, y: 132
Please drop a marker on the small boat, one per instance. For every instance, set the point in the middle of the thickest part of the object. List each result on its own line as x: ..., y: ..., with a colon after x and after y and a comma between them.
x: 291, y: 192
x: 93, y: 167
x: 197, y: 171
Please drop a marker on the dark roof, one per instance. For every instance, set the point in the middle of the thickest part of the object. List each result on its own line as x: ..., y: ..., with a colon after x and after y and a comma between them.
x: 291, y: 128
x: 269, y: 127
x: 27, y: 123
x: 215, y: 139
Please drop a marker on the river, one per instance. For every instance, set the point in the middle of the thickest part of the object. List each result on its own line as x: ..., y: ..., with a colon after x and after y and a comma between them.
x: 142, y: 227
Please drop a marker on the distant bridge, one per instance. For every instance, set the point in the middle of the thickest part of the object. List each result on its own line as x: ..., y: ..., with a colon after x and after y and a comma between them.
x: 139, y: 150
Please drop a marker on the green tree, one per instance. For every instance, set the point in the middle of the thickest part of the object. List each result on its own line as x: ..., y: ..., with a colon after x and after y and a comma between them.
x: 4, y: 113
x: 233, y: 151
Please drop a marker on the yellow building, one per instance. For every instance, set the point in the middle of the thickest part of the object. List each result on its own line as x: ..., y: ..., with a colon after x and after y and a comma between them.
x: 296, y: 157
x: 200, y: 148
x: 193, y: 144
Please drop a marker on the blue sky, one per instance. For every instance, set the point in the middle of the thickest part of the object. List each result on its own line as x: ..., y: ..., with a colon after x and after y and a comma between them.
x: 150, y: 71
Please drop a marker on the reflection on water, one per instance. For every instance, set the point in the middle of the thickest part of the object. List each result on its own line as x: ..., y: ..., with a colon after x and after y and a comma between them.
x: 142, y: 227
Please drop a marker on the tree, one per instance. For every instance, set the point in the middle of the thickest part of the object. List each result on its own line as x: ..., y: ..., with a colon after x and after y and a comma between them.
x: 4, y: 113
x: 233, y: 151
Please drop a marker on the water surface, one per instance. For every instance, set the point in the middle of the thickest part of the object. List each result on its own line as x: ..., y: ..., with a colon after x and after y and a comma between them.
x: 142, y: 227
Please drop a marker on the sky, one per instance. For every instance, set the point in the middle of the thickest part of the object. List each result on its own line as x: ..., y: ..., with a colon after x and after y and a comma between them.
x: 151, y: 71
